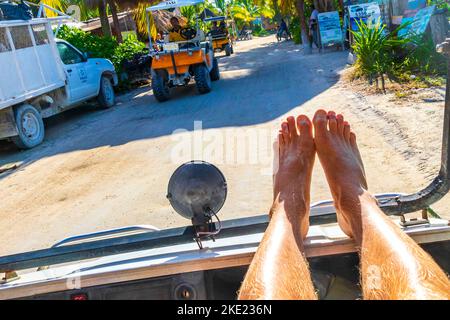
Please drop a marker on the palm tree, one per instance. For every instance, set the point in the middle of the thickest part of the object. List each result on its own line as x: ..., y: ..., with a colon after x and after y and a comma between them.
x: 300, y: 5
x: 287, y: 6
x: 113, y: 7
x: 101, y: 6
x: 247, y: 11
x: 221, y: 5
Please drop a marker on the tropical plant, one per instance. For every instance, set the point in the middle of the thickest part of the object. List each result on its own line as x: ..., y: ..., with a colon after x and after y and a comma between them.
x: 377, y: 51
x: 259, y: 31
x: 221, y: 5
x: 441, y: 4
x: 295, y: 29
x: 246, y: 11
x: 421, y: 57
x: 190, y: 13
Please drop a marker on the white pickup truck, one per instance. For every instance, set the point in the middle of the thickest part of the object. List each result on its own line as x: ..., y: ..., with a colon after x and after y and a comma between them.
x: 41, y: 76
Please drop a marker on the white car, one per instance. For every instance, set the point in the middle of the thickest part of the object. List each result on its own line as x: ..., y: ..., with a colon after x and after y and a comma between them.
x: 41, y: 76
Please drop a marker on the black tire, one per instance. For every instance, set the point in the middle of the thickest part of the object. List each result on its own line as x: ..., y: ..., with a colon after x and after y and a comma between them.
x: 160, y: 87
x: 106, y: 97
x: 228, y: 50
x: 232, y: 49
x: 202, y: 79
x: 29, y: 126
x: 215, y: 72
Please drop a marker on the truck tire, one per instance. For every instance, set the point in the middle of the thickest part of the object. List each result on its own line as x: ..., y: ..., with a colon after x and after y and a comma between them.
x: 29, y: 126
x: 202, y: 79
x: 228, y: 50
x: 215, y: 72
x: 160, y: 87
x: 106, y: 97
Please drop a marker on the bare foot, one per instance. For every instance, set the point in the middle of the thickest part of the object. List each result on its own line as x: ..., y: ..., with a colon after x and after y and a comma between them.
x: 343, y: 166
x: 292, y: 178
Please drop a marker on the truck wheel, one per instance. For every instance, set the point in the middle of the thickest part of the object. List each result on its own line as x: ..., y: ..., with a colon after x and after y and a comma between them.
x: 29, y: 126
x: 215, y: 72
x: 106, y: 97
x: 228, y: 50
x: 202, y: 79
x: 160, y: 87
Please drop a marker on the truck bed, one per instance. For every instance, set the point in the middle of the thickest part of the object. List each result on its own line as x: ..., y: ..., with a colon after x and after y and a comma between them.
x: 29, y: 61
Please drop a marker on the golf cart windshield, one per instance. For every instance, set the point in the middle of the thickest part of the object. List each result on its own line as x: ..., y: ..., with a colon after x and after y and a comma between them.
x: 186, y: 34
x: 174, y: 4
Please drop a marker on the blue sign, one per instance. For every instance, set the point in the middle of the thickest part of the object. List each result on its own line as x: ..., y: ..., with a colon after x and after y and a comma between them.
x: 419, y: 23
x: 329, y: 27
x: 368, y: 13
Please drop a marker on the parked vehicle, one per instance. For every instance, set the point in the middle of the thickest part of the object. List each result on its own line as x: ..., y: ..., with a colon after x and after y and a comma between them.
x: 245, y: 34
x: 177, y: 62
x: 41, y: 76
x: 220, y: 36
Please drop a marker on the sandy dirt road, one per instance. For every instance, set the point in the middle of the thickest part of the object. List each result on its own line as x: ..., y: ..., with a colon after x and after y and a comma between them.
x: 105, y: 169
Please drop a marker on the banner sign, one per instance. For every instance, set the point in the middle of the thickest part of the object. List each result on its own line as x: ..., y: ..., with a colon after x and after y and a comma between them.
x: 419, y: 23
x: 413, y: 7
x: 368, y: 12
x: 329, y: 27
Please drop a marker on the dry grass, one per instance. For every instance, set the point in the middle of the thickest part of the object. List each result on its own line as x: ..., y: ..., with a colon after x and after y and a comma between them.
x: 406, y: 87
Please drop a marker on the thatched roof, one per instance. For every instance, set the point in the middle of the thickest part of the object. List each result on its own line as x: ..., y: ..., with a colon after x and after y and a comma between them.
x: 162, y: 19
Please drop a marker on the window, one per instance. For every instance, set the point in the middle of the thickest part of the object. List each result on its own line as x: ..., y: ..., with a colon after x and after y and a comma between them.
x: 21, y: 37
x: 40, y: 34
x: 68, y: 55
x: 4, y: 43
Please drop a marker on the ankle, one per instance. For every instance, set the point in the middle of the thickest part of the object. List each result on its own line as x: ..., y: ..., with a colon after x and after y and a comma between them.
x: 294, y: 216
x: 291, y: 202
x: 367, y: 206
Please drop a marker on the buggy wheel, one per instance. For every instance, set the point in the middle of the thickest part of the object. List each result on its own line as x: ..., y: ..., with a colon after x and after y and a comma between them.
x: 202, y: 79
x: 160, y: 87
x: 215, y: 72
x: 30, y: 127
x: 228, y: 49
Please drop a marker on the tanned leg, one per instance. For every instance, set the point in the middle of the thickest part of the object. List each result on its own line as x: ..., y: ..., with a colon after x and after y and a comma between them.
x: 393, y: 266
x: 279, y: 269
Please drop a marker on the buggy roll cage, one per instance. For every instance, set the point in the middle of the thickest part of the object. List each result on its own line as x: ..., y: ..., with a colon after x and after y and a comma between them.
x: 391, y: 204
x: 211, y: 19
x: 169, y: 4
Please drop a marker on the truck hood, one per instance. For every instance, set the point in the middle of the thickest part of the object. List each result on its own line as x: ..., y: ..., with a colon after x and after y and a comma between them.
x: 103, y: 63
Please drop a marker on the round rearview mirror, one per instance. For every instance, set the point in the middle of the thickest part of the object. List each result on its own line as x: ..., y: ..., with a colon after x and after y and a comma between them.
x: 197, y: 188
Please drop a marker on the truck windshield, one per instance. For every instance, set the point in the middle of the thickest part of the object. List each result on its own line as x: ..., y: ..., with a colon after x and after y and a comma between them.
x: 101, y: 167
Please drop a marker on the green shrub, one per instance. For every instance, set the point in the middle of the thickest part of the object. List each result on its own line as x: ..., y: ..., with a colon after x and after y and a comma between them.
x: 97, y: 47
x: 126, y: 50
x: 421, y: 57
x: 103, y: 47
x: 295, y: 30
x: 259, y: 31
x: 377, y: 51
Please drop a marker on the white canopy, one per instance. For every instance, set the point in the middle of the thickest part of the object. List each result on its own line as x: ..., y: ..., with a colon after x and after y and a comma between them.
x: 170, y: 4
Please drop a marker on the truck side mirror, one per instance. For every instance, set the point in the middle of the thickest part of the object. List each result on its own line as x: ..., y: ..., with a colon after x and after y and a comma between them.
x: 86, y: 56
